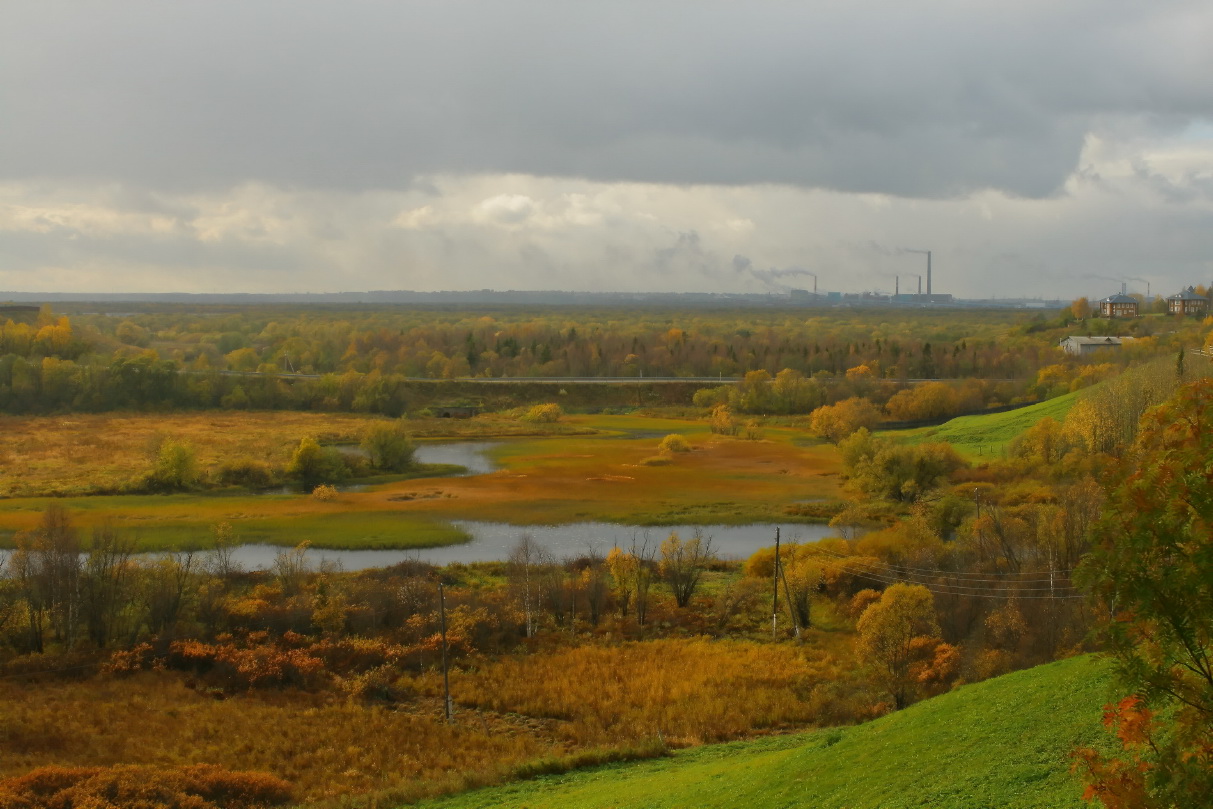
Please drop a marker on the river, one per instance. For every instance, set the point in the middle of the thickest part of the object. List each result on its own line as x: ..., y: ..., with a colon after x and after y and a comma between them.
x: 493, y: 542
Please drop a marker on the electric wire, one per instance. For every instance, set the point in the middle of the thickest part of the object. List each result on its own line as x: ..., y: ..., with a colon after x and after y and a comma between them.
x: 956, y: 581
x: 1042, y: 575
x: 944, y: 588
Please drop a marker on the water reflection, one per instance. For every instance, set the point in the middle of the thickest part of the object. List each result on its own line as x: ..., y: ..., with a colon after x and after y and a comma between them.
x: 494, y: 541
x: 469, y: 454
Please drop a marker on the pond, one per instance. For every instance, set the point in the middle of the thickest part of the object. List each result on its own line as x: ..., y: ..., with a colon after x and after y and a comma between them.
x: 472, y: 455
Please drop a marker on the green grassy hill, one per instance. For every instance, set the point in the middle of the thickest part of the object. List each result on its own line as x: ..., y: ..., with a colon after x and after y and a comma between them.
x: 986, y: 436
x: 1002, y: 743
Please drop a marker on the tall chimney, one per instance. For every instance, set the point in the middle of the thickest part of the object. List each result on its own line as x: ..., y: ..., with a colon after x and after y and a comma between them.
x: 928, y: 272
x: 896, y: 285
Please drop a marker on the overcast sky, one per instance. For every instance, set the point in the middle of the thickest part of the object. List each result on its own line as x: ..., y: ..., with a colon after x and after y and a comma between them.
x: 1038, y: 148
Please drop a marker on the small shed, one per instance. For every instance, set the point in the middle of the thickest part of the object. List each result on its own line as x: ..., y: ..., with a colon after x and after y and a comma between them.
x: 1083, y: 346
x: 1118, y: 306
x: 1188, y: 302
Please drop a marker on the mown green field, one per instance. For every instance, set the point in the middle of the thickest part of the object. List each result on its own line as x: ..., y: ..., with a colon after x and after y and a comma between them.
x: 988, y: 436
x: 1001, y: 743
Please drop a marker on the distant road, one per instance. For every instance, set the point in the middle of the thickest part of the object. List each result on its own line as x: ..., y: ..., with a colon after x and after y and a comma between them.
x: 576, y: 380
x: 515, y: 380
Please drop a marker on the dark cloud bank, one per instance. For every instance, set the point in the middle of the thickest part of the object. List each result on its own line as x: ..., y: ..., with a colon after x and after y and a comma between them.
x: 912, y: 99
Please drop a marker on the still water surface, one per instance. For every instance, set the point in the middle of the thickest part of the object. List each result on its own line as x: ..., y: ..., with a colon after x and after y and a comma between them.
x: 469, y: 454
x: 492, y: 541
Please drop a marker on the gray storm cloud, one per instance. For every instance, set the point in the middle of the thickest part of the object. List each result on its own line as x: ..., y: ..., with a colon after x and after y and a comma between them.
x: 1038, y: 148
x: 910, y: 99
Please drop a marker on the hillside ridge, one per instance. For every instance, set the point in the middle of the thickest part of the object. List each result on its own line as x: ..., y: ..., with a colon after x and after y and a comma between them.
x: 1004, y: 742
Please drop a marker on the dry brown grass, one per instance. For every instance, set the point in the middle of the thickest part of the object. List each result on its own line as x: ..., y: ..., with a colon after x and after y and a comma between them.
x: 594, y: 478
x: 550, y: 709
x: 84, y: 454
x: 326, y: 747
x: 684, y: 691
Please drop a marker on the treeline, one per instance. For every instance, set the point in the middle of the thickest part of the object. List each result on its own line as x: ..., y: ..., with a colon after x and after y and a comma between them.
x: 363, y: 359
x: 790, y: 392
x: 439, y: 343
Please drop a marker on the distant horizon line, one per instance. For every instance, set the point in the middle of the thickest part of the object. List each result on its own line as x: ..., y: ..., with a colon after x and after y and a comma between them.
x: 789, y: 294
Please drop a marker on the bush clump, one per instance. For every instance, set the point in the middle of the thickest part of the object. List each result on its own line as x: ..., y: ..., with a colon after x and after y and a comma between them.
x: 247, y: 472
x: 313, y: 464
x: 672, y: 443
x: 388, y: 446
x: 544, y: 414
x: 324, y: 493
x: 174, y: 467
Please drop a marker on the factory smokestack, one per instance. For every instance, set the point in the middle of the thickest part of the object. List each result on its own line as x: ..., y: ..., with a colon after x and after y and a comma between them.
x: 928, y: 254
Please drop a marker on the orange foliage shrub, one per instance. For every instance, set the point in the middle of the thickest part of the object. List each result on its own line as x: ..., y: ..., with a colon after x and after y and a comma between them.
x: 931, y: 400
x: 1120, y: 783
x: 128, y: 661
x: 202, y: 786
x: 297, y: 661
x: 860, y: 602
x: 261, y: 666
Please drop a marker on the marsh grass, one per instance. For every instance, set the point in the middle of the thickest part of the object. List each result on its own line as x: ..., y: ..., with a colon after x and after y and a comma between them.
x: 89, y: 454
x: 83, y: 454
x: 551, y: 711
x: 324, y: 747
x: 596, y: 476
x: 685, y: 691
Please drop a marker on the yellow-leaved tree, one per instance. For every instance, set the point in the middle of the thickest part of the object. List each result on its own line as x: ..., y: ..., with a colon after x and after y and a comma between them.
x: 836, y: 422
x: 899, y: 643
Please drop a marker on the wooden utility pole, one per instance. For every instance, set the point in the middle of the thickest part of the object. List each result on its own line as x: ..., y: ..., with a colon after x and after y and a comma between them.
x: 787, y: 596
x: 446, y: 678
x: 775, y: 589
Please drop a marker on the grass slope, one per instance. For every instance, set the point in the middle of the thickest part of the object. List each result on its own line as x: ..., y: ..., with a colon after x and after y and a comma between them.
x: 987, y: 436
x: 1001, y: 743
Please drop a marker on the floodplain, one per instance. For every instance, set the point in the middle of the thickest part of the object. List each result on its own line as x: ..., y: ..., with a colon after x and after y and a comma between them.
x: 603, y: 468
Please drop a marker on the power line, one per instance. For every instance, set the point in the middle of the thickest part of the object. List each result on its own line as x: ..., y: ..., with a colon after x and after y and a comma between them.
x: 938, y: 588
x: 1043, y: 575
